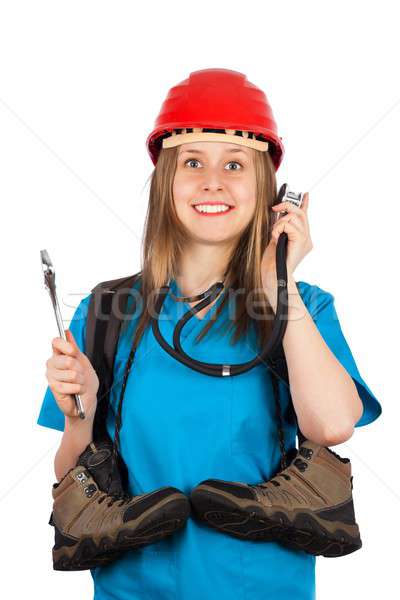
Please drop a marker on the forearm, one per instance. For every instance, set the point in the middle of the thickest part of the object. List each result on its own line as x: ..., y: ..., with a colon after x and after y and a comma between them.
x: 324, y: 395
x: 78, y: 433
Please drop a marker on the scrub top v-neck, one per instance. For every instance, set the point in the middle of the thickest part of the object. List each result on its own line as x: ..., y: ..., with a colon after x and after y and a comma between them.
x: 180, y: 427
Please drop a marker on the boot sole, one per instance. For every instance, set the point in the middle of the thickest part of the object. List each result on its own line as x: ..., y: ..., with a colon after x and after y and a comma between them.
x: 304, y: 532
x: 85, y: 553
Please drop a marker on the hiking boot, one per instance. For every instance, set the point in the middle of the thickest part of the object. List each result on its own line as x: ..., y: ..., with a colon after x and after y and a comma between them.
x: 307, y: 506
x: 93, y: 528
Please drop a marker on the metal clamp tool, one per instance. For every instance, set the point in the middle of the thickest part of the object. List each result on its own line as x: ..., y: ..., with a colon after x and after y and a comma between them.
x: 287, y: 195
x: 50, y: 284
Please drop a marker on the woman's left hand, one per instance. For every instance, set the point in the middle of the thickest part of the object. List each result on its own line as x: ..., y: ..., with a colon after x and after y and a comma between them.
x: 295, y: 224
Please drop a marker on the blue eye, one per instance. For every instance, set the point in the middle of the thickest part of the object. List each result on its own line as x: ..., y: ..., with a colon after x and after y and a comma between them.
x: 191, y: 160
x: 234, y: 162
x: 229, y: 163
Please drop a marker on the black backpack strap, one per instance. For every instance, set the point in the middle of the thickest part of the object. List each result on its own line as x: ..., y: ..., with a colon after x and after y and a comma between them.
x: 279, y: 365
x: 279, y: 371
x: 107, y: 306
x: 103, y: 327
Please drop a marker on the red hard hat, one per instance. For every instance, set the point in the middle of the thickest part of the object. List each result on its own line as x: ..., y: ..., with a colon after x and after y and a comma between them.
x: 217, y: 99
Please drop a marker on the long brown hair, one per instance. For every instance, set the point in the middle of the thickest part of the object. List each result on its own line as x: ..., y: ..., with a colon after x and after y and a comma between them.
x: 165, y: 239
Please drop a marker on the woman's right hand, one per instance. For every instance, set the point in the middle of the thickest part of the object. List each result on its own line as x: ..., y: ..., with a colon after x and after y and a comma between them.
x: 69, y: 371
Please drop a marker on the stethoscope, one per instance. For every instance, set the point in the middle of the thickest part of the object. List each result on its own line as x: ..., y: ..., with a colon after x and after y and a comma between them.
x: 279, y: 322
x: 215, y: 369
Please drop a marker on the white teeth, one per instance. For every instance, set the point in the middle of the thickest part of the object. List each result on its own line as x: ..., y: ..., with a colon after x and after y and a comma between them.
x: 211, y: 208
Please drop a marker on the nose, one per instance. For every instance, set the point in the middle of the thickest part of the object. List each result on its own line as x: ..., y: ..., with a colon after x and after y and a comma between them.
x: 212, y: 182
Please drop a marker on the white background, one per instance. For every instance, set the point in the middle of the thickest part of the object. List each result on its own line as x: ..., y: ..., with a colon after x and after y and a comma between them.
x: 81, y: 84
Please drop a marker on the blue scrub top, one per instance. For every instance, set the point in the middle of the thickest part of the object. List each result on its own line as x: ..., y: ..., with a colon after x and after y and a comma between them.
x: 180, y: 427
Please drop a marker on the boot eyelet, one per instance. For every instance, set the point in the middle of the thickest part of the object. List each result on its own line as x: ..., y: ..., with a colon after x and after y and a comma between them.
x: 300, y: 464
x: 306, y: 452
x: 90, y: 490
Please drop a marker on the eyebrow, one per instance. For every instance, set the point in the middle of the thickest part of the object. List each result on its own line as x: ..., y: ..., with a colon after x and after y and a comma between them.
x: 201, y: 151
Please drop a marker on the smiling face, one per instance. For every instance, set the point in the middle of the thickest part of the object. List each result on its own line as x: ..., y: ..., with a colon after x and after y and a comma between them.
x: 220, y: 174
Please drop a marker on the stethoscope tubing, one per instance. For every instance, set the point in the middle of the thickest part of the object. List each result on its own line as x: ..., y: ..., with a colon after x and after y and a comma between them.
x: 218, y: 369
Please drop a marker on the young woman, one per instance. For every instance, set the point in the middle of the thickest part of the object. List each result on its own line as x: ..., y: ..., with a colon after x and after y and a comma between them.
x: 210, y: 218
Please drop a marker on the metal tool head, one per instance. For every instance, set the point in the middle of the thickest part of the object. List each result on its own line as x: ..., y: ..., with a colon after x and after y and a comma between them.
x: 294, y: 197
x: 287, y: 195
x: 48, y: 270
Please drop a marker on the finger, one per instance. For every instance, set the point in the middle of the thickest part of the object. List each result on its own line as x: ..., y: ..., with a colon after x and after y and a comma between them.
x: 70, y: 337
x: 289, y: 228
x: 295, y: 220
x: 305, y: 203
x: 300, y: 221
x: 63, y: 387
x: 61, y: 346
x: 63, y: 361
x: 289, y: 207
x: 67, y: 375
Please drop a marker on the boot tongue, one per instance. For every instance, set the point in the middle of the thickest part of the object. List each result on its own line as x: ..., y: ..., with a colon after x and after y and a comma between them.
x: 99, y: 461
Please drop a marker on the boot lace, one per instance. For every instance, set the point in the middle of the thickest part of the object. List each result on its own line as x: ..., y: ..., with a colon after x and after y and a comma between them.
x: 122, y: 497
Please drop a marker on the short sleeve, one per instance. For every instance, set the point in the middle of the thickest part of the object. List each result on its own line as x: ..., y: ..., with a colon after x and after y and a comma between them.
x: 50, y: 415
x: 321, y: 306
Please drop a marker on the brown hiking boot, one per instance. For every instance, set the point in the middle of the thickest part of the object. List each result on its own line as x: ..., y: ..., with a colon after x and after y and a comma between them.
x: 93, y: 528
x: 307, y: 506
